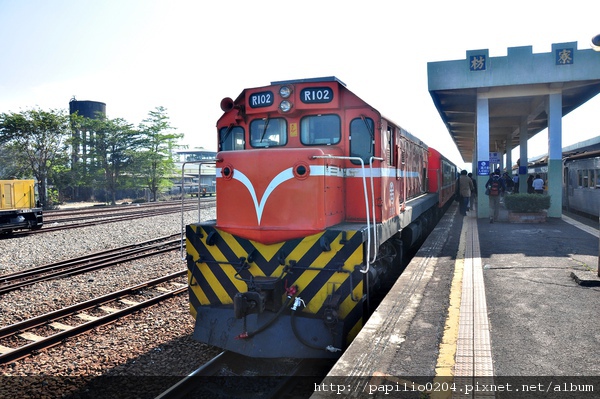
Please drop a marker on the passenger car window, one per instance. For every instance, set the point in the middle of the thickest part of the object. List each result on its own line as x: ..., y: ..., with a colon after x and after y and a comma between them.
x: 320, y: 130
x: 268, y: 132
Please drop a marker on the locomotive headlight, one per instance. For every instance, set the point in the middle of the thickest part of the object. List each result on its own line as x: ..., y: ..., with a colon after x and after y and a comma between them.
x: 285, y: 91
x: 285, y: 106
x: 596, y: 43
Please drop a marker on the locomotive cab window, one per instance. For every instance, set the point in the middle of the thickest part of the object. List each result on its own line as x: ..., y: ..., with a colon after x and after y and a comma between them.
x: 231, y: 138
x: 268, y: 132
x: 320, y: 130
x: 361, y: 139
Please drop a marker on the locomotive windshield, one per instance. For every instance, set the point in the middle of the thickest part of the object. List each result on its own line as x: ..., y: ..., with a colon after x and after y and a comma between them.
x: 231, y: 138
x: 320, y: 130
x: 268, y: 132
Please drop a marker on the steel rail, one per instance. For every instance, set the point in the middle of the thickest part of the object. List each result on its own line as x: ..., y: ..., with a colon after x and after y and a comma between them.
x: 84, y: 264
x: 13, y: 354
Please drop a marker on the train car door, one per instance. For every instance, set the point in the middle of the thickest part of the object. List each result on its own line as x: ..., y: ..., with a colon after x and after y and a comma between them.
x: 362, y: 127
x: 7, y: 195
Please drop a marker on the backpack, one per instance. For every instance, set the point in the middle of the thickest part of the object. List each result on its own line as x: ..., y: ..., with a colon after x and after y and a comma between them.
x: 495, y: 187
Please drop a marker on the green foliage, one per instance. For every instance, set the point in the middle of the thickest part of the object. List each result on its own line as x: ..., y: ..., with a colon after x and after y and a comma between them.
x: 71, y: 155
x: 155, y: 163
x: 34, y: 144
x: 10, y: 164
x: 526, y: 202
x: 53, y: 200
x: 112, y: 153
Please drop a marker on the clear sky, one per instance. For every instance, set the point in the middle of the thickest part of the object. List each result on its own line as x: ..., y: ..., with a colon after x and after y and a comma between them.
x: 136, y: 55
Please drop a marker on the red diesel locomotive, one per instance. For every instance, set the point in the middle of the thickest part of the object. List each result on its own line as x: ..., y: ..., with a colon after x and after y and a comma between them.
x: 318, y: 197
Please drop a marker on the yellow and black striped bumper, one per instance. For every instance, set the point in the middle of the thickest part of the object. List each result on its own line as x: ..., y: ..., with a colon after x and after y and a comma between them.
x: 323, y: 267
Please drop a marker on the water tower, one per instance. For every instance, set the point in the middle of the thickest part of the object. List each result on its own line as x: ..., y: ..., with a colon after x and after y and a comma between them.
x: 83, y: 140
x: 81, y: 136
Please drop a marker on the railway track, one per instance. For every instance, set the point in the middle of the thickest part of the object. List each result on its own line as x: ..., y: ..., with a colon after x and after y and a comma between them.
x: 89, y: 262
x: 25, y: 338
x: 229, y: 375
x: 76, y: 214
x: 99, y: 208
x: 71, y: 219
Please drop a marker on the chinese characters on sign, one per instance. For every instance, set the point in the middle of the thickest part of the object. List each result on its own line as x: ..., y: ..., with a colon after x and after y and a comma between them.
x: 494, y: 157
x: 483, y: 168
x: 564, y: 56
x: 477, y: 63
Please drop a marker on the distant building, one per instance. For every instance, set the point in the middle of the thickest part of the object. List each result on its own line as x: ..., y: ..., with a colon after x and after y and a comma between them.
x: 194, y: 172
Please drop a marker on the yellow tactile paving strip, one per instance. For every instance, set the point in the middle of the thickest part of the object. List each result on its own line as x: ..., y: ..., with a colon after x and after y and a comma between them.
x: 465, y: 351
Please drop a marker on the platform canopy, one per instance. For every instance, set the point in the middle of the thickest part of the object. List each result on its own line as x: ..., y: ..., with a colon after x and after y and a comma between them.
x: 517, y: 87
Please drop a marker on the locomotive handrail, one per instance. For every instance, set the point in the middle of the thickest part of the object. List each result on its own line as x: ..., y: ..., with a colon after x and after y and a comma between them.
x: 212, y: 161
x: 375, y: 238
x: 362, y: 165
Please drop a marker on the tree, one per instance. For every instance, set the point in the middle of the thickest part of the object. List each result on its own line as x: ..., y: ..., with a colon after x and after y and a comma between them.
x: 10, y: 165
x: 113, y: 145
x: 159, y: 139
x: 37, y: 139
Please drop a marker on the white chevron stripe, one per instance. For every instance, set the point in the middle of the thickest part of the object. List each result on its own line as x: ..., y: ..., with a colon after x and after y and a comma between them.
x: 315, y: 170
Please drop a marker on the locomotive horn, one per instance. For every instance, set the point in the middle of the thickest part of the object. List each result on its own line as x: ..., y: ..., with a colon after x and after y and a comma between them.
x: 596, y: 42
x: 226, y: 104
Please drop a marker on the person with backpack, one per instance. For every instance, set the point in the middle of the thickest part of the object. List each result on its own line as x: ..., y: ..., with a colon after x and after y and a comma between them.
x: 494, y: 189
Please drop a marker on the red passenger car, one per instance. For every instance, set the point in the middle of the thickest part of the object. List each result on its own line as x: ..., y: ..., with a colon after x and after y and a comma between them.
x: 441, y: 175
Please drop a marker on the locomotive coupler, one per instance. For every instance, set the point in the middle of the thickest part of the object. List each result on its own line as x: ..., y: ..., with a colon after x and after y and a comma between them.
x: 330, y: 311
x: 245, y: 303
x: 264, y: 293
x: 330, y: 317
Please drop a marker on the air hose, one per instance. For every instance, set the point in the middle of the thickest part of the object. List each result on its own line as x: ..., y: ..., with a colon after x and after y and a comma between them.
x: 291, y: 292
x: 262, y: 328
x: 328, y: 348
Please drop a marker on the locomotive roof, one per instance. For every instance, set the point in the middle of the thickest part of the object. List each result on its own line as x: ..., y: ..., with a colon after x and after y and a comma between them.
x: 335, y: 79
x: 310, y: 80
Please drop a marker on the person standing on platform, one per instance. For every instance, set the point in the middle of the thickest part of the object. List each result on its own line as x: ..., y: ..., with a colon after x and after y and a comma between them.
x: 508, y: 182
x: 465, y: 188
x: 538, y: 184
x: 496, y: 187
x: 530, y: 189
x: 473, y: 193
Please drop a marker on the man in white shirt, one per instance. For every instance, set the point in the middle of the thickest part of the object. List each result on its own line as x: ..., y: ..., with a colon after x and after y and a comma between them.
x: 538, y: 185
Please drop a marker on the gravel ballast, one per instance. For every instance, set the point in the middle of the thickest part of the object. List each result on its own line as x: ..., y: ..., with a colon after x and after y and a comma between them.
x: 154, y: 342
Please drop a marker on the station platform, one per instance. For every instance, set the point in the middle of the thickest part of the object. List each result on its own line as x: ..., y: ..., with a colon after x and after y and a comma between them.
x: 484, y: 310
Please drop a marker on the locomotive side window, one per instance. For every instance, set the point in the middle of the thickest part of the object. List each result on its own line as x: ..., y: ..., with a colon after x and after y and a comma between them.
x: 268, y: 132
x: 390, y: 142
x: 320, y: 130
x: 231, y: 138
x: 362, y: 139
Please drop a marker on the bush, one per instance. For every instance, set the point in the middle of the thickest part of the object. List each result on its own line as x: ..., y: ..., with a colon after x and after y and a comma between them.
x: 526, y: 202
